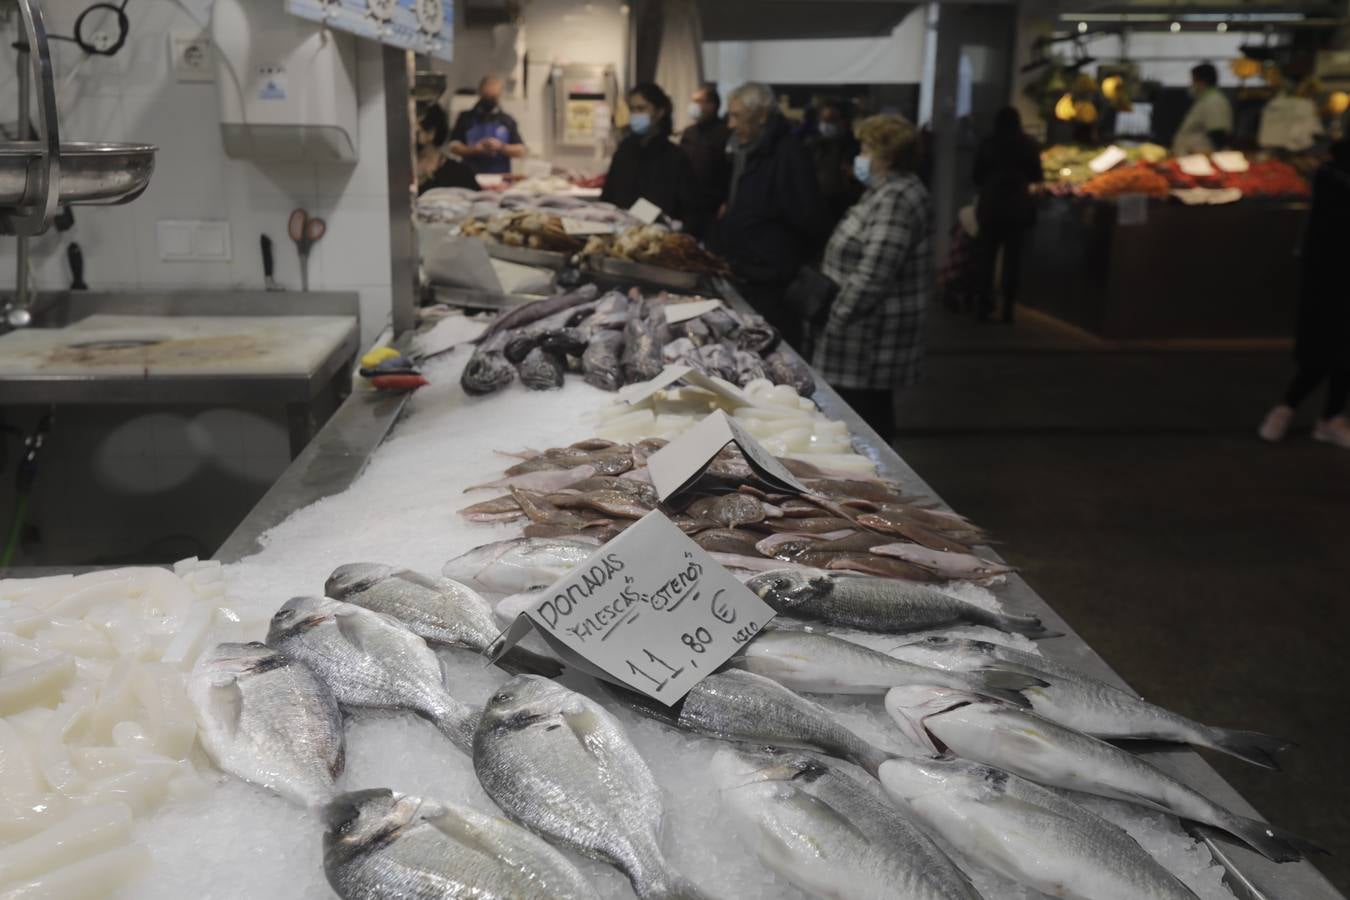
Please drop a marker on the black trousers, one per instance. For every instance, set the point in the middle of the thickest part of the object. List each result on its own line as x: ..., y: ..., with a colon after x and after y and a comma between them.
x: 877, y: 408
x: 1308, y: 378
x: 992, y: 238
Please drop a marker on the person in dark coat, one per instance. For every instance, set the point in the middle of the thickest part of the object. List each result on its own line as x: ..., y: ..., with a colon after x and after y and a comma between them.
x: 705, y: 143
x: 646, y: 164
x: 774, y: 220
x: 1322, y: 338
x: 833, y: 148
x: 486, y: 137
x: 1007, y: 164
x: 434, y: 168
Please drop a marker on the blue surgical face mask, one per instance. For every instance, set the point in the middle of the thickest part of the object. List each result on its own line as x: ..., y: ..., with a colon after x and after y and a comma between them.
x: 640, y: 123
x: 862, y: 169
x: 829, y: 130
x: 695, y: 111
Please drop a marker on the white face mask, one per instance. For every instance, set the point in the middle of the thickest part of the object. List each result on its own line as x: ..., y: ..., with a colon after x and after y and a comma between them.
x: 695, y: 111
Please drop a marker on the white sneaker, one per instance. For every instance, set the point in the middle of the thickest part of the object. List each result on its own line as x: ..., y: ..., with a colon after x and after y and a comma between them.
x: 1276, y: 424
x: 1334, y: 431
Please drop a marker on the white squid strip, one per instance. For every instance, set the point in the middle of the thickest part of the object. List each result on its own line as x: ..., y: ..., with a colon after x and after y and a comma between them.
x: 86, y: 832
x: 37, y: 685
x: 89, y: 879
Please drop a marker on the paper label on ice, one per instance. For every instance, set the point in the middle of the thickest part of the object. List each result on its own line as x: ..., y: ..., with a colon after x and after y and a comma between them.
x: 650, y: 610
x: 1108, y: 159
x: 585, y: 227
x: 681, y: 312
x: 1196, y: 165
x: 634, y: 394
x: 645, y: 211
x: 679, y: 463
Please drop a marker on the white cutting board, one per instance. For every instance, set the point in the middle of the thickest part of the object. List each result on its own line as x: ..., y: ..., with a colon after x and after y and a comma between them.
x: 106, y: 346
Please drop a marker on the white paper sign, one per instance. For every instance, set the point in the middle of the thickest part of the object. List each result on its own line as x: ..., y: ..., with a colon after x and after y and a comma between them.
x: 1196, y: 165
x: 1230, y: 161
x: 635, y: 393
x: 1108, y: 159
x: 679, y: 463
x: 645, y: 211
x: 650, y: 610
x: 682, y: 312
x: 584, y: 226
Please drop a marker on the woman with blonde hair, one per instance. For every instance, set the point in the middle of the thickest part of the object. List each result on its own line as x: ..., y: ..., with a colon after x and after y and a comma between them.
x: 879, y: 256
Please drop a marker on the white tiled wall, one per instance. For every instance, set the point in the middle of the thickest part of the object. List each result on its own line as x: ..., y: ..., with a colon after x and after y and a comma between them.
x: 133, y: 96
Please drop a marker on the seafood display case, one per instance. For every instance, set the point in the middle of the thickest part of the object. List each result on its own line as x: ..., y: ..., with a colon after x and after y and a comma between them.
x: 334, y: 464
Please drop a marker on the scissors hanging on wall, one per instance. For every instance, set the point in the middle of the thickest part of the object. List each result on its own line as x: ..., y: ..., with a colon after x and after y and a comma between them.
x: 305, y: 231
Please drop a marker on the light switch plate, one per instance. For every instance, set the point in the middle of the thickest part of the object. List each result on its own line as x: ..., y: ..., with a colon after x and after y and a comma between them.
x: 192, y: 56
x: 186, y: 240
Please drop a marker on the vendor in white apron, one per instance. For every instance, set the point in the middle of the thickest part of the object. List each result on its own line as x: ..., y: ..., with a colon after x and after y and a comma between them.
x: 1210, y: 120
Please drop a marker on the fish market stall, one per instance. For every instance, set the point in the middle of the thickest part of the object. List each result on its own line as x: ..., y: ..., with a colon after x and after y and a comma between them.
x: 388, y: 482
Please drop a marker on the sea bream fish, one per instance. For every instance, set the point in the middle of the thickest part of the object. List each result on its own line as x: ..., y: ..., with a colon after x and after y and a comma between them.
x: 1026, y: 832
x: 441, y: 611
x: 877, y: 604
x: 379, y: 844
x: 1094, y: 707
x: 831, y: 832
x: 519, y: 565
x: 1029, y: 745
x: 736, y: 705
x: 370, y: 661
x: 267, y: 718
x: 823, y: 664
x: 559, y: 764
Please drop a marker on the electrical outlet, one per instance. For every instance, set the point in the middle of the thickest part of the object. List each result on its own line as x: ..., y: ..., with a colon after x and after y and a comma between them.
x: 191, y: 57
x: 102, y: 40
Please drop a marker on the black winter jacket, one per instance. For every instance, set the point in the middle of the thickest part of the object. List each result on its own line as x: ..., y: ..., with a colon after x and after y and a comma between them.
x: 650, y: 167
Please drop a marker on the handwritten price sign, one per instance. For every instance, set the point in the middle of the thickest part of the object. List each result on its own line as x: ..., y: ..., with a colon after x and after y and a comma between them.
x: 650, y: 610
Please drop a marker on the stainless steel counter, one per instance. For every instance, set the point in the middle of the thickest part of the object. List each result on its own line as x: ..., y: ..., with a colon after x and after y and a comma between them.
x: 340, y: 450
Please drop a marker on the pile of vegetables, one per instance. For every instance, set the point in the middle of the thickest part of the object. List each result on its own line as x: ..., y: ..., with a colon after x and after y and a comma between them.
x: 1138, y: 178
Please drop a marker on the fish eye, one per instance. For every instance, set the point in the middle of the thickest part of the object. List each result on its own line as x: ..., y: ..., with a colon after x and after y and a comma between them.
x: 501, y: 697
x: 938, y: 640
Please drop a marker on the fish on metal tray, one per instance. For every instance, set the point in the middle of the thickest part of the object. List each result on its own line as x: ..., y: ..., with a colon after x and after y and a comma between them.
x: 878, y: 604
x: 546, y: 480
x: 831, y: 831
x: 439, y: 610
x: 728, y: 510
x: 527, y: 313
x: 1025, y: 744
x: 727, y: 540
x: 789, y: 370
x: 561, y: 765
x: 609, y: 502
x: 268, y: 719
x: 945, y: 563
x: 641, y: 491
x: 1027, y: 833
x: 370, y: 661
x: 518, y: 565
x: 605, y: 460
x: 539, y: 509
x: 382, y: 844
x: 541, y: 370
x: 498, y: 509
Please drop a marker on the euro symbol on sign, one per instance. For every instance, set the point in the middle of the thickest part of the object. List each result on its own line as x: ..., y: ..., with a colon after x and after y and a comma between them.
x: 723, y: 611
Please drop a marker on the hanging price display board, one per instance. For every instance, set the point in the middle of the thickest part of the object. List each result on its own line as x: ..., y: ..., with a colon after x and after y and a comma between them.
x: 423, y: 26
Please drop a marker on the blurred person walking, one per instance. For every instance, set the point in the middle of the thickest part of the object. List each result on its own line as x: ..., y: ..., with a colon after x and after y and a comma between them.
x: 646, y: 164
x: 832, y: 148
x: 1322, y: 337
x: 774, y: 220
x: 879, y: 256
x: 1007, y: 164
x: 705, y: 144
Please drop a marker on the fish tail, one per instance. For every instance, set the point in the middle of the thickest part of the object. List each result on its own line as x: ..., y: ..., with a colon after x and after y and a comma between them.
x: 672, y: 887
x: 459, y: 724
x: 1014, y: 624
x: 1270, y: 841
x: 522, y: 661
x: 1249, y: 746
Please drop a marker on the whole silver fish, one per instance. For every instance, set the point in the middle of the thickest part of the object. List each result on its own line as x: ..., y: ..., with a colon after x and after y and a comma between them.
x: 268, y: 719
x: 439, y: 610
x: 1027, y: 833
x: 831, y: 832
x: 736, y: 705
x: 877, y: 604
x: 1091, y: 706
x: 370, y: 661
x: 822, y: 664
x: 1034, y: 747
x: 379, y: 844
x: 559, y: 764
x: 517, y: 566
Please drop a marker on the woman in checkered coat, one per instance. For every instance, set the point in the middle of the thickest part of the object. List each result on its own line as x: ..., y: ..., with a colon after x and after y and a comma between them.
x: 872, y: 341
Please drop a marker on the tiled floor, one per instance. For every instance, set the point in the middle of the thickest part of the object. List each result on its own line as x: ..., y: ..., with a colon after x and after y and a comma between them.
x: 1212, y: 571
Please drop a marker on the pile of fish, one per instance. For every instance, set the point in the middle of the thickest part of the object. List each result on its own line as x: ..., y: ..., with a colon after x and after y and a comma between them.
x: 461, y: 205
x: 594, y: 489
x: 656, y: 245
x: 990, y: 729
x: 619, y: 339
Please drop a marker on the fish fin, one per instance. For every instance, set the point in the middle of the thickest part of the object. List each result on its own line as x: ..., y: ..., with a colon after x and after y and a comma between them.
x: 1249, y: 746
x: 673, y: 887
x: 1270, y: 841
x: 350, y: 626
x: 227, y: 704
x: 1028, y: 625
x: 1006, y: 681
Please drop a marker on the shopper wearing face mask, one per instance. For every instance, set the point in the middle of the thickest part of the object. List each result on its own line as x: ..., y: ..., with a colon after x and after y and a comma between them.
x: 646, y: 164
x: 486, y: 137
x: 879, y: 256
x: 705, y: 144
x: 832, y: 150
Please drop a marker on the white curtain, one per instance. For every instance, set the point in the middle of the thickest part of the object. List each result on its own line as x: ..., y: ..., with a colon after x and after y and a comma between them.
x: 679, y: 64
